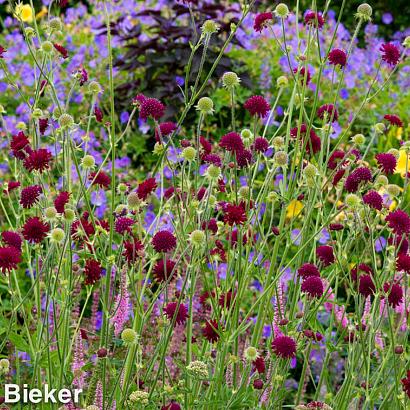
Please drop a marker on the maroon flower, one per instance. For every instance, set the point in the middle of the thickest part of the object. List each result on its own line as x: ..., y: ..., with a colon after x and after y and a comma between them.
x: 337, y: 57
x: 98, y: 114
x: 374, y: 200
x: 394, y: 120
x: 123, y: 225
x: 328, y: 110
x: 262, y: 20
x: 259, y: 365
x: 19, y: 145
x: 258, y: 384
x: 403, y: 263
x: 243, y: 158
x: 101, y: 179
x: 35, y: 230
x: 145, y: 188
x: 171, y: 406
x: 325, y: 254
x: 395, y: 294
x: 210, y: 225
x: 234, y: 214
x: 399, y: 222
x: 164, y: 241
x: 29, y: 195
x: 406, y: 384
x: 12, y: 239
x: 359, y: 175
x: 2, y: 51
x: 82, y: 229
x: 386, y: 162
x: 361, y: 267
x: 313, y: 286
x: 284, y: 347
x: 9, y: 258
x: 307, y: 270
x: 314, y: 19
x: 212, y: 159
x: 226, y: 299
x: 232, y: 142
x: 302, y: 73
x: 180, y: 313
x: 366, y: 285
x: 61, y: 201
x: 261, y: 144
x: 43, y: 125
x: 211, y: 331
x: 257, y: 106
x: 151, y: 108
x: 11, y: 186
x: 165, y: 129
x: 163, y: 271
x: 133, y: 250
x: 92, y: 271
x: 206, y: 145
x: 390, y: 53
x: 38, y: 160
x: 338, y: 176
x: 313, y: 144
x: 335, y: 159
x: 336, y: 227
x: 62, y: 50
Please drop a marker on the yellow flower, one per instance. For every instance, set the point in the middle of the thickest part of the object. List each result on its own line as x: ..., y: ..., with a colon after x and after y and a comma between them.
x: 403, y: 163
x: 24, y: 12
x: 43, y: 12
x: 399, y: 133
x: 294, y: 208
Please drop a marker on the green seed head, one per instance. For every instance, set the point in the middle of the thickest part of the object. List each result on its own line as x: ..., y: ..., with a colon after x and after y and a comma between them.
x: 282, y: 10
x: 205, y: 106
x: 364, y: 12
x: 209, y: 27
x: 29, y: 31
x: 213, y: 171
x: 380, y: 128
x: 122, y: 188
x: 88, y: 162
x: 393, y: 189
x: 37, y: 113
x: 310, y: 171
x: 352, y: 201
x: 21, y: 126
x: 94, y: 88
x: 381, y: 181
x: 251, y: 353
x: 69, y: 214
x: 133, y: 200
x: 197, y: 238
x: 280, y: 159
x: 50, y: 213
x: 66, y: 120
x: 47, y: 47
x: 406, y: 42
x: 129, y: 336
x: 230, y: 79
x: 139, y: 397
x: 282, y: 81
x: 55, y: 24
x: 359, y: 139
x: 278, y: 143
x: 246, y: 134
x: 57, y: 235
x: 243, y: 192
x: 189, y: 154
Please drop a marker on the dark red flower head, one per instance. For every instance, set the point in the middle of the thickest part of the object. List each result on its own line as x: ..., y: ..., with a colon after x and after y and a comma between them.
x: 166, y: 129
x: 284, y: 347
x: 261, y: 144
x: 163, y: 271
x: 30, y: 195
x: 98, y: 114
x: 62, y: 50
x: 2, y: 51
x: 42, y: 125
x: 390, y: 53
x: 180, y: 313
x: 92, y: 271
x: 38, y: 160
x: 234, y: 214
x: 259, y: 365
x: 61, y: 201
x: 314, y: 19
x: 35, y: 230
x: 337, y: 57
x: 146, y: 188
x: 262, y: 20
x: 164, y: 241
x: 325, y: 254
x: 399, y: 222
x: 406, y: 384
x: 232, y: 142
x: 328, y: 110
x: 395, y: 294
x: 359, y: 175
x: 307, y: 270
x: 171, y: 406
x: 387, y: 162
x: 361, y: 267
x: 257, y: 106
x: 101, y: 179
x: 374, y: 200
x: 313, y: 286
x: 151, y: 108
x: 9, y: 258
x: 12, y: 239
x: 20, y: 145
x: 366, y: 285
x: 123, y: 225
x: 302, y: 73
x: 244, y: 158
x: 133, y: 250
x: 394, y: 120
x: 313, y: 144
x: 403, y: 263
x: 335, y: 159
x: 211, y: 331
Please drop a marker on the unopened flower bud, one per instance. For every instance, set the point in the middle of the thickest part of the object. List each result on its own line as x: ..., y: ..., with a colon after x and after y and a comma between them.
x: 205, y: 106
x: 230, y: 79
x: 209, y: 27
x: 280, y: 158
x: 282, y: 10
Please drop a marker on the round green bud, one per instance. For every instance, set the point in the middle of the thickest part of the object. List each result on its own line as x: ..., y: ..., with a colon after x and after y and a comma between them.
x: 50, y: 213
x: 55, y: 24
x: 278, y: 143
x: 94, y: 88
x: 197, y: 238
x: 66, y: 120
x: 133, y: 200
x: 406, y: 42
x: 47, y: 47
x: 4, y: 363
x: 282, y: 10
x: 282, y: 81
x: 393, y: 189
x: 140, y: 397
x: 158, y: 148
x: 394, y: 152
x: 380, y: 128
x: 381, y: 180
x: 69, y: 214
x: 352, y: 201
x: 122, y: 188
x: 246, y: 134
x: 209, y: 27
x: 230, y: 79
x: 189, y: 154
x: 310, y: 171
x: 251, y: 353
x: 359, y: 139
x: 57, y: 235
x: 129, y: 336
x: 205, y: 106
x: 244, y: 192
x: 365, y: 10
x: 198, y: 368
x: 213, y: 171
x: 88, y: 162
x: 120, y: 209
x: 21, y: 126
x: 280, y: 159
x: 29, y: 31
x: 37, y: 113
